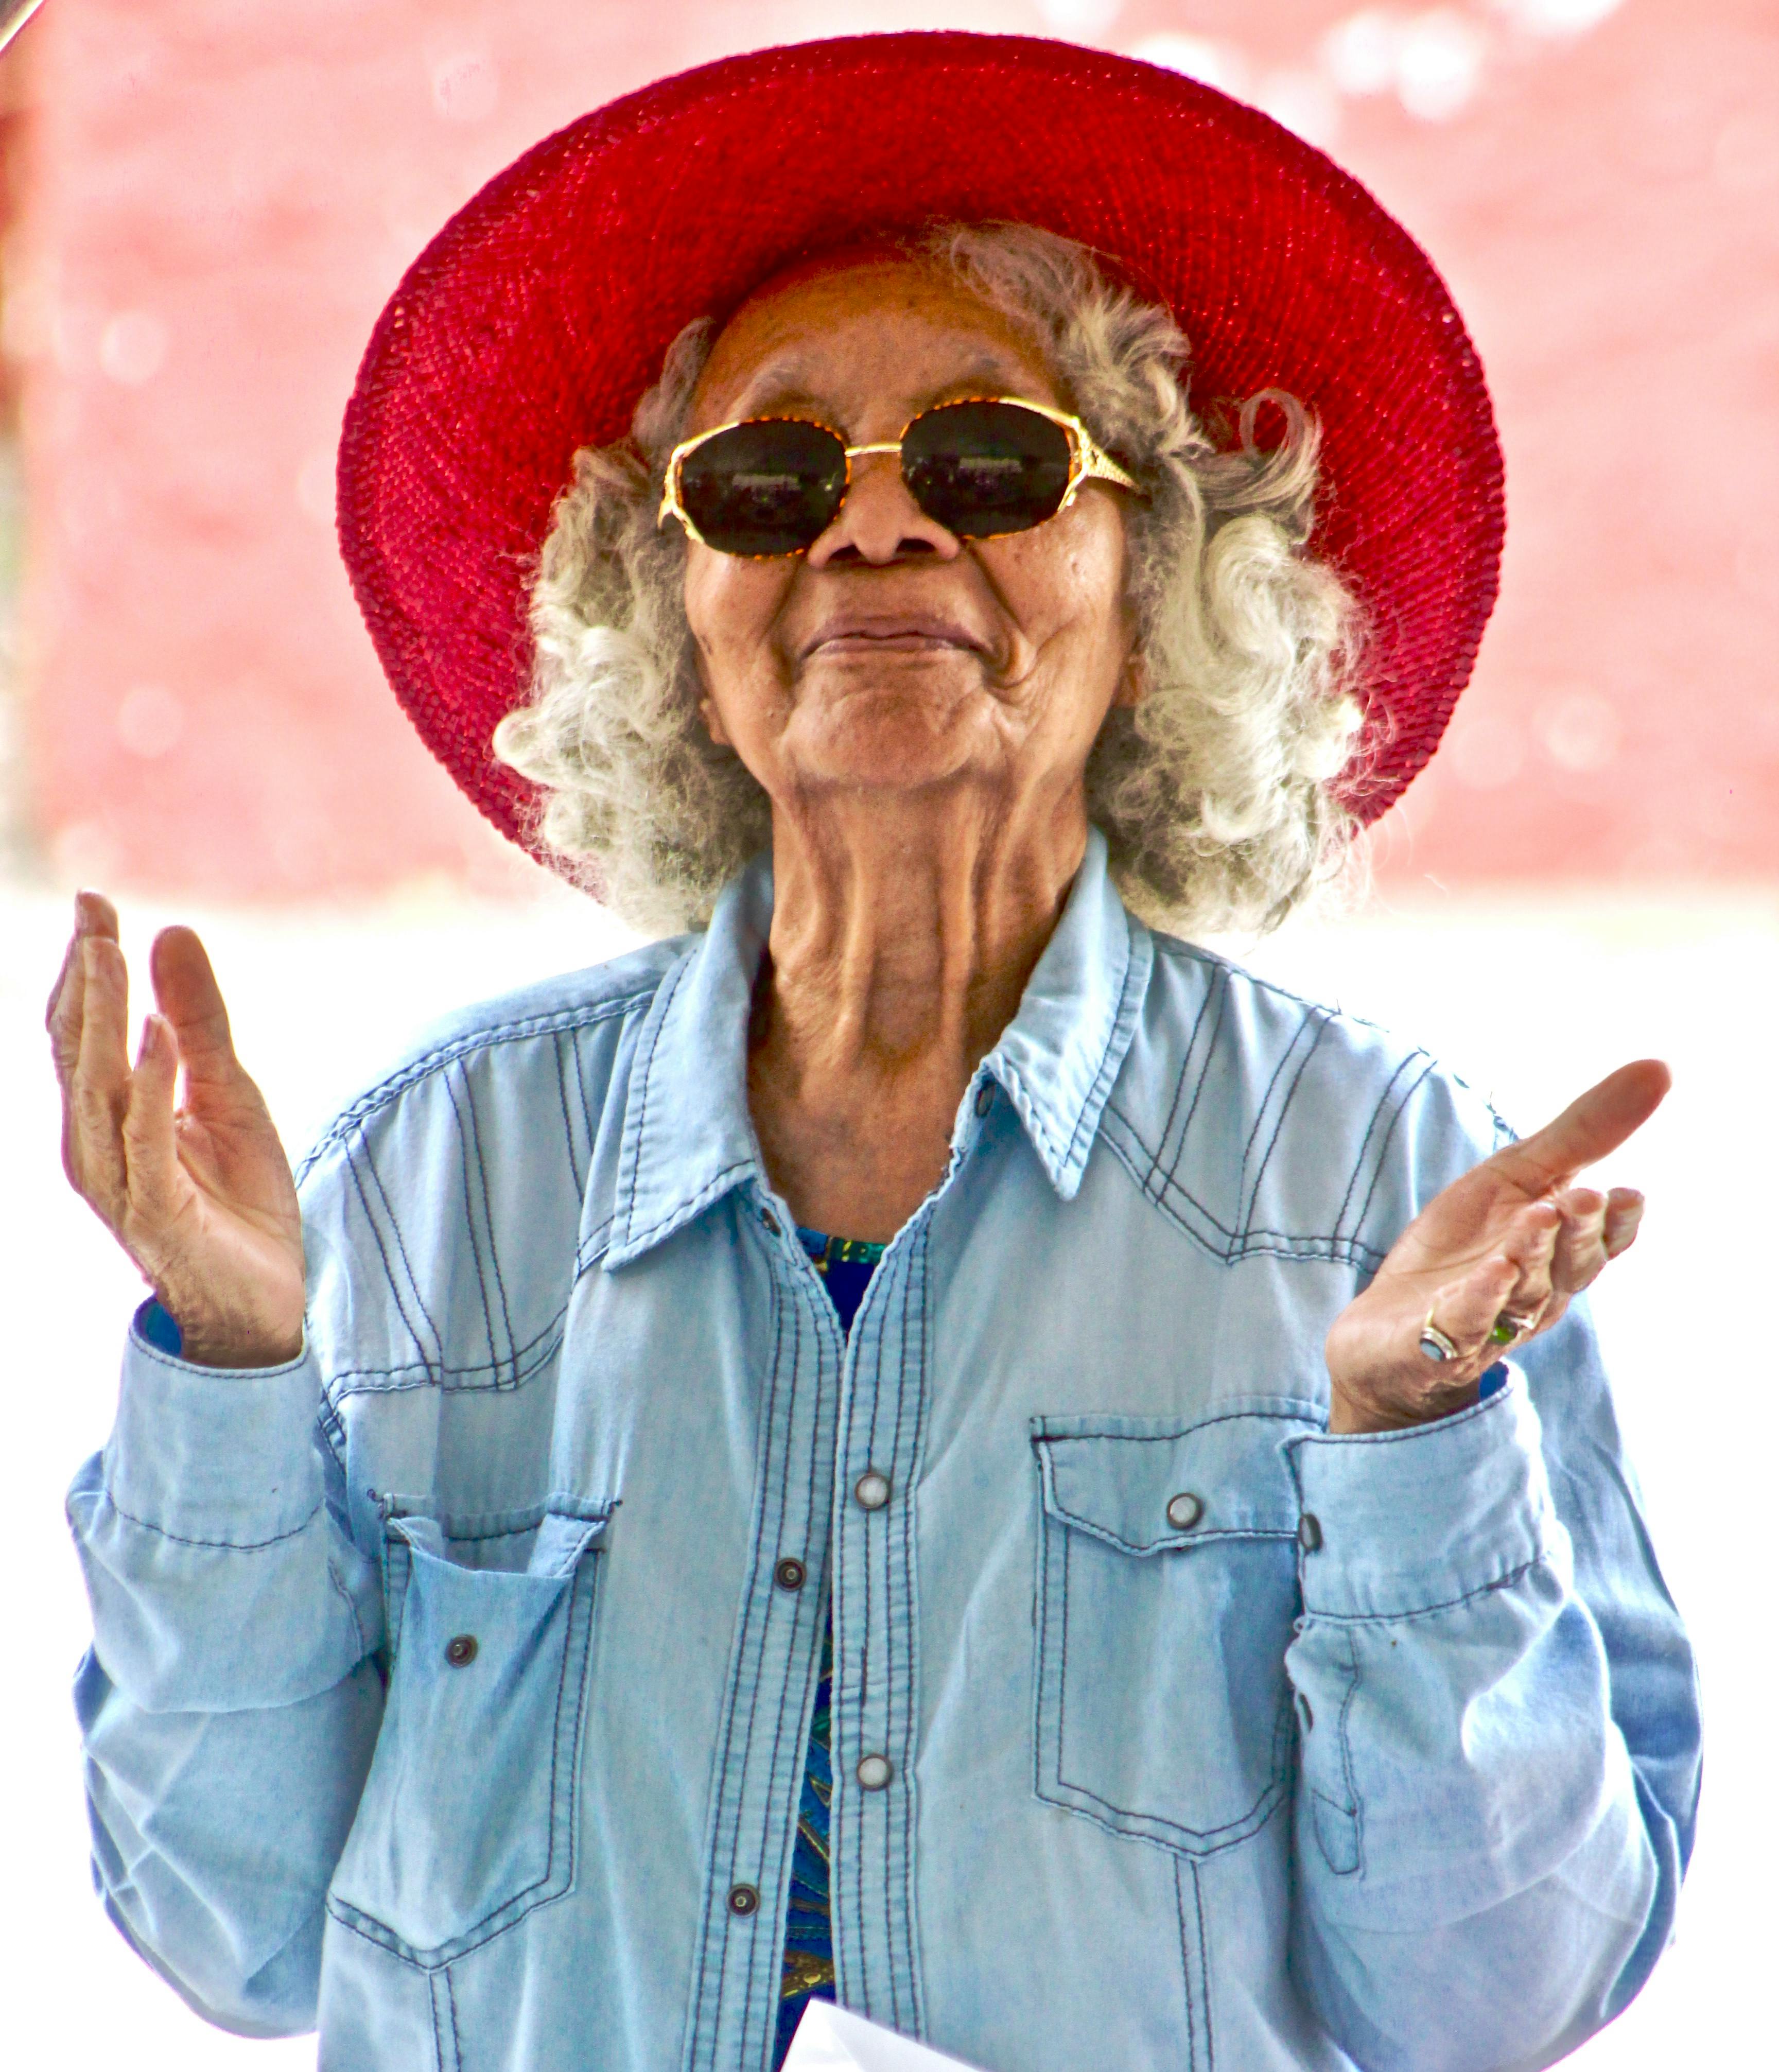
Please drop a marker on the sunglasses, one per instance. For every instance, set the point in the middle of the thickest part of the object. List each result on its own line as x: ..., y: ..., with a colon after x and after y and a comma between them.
x: 982, y: 468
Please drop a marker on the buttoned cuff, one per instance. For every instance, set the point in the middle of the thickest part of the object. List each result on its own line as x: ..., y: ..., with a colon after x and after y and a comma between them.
x: 1397, y: 1523
x: 220, y: 1455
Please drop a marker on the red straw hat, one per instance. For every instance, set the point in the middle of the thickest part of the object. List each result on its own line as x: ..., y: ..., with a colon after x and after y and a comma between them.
x: 534, y: 321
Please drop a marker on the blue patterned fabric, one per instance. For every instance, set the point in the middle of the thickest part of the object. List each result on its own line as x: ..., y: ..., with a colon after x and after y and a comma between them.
x: 845, y: 1265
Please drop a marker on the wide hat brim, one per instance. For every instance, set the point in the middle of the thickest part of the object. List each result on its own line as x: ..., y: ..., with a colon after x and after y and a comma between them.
x: 533, y: 323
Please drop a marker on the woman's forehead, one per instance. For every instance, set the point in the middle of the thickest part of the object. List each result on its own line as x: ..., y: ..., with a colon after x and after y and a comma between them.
x: 831, y: 330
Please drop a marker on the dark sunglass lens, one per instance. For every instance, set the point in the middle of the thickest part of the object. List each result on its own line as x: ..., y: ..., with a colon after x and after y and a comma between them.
x: 983, y: 468
x: 765, y: 488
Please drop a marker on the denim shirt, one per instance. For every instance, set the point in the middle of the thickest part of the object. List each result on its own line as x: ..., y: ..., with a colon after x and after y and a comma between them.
x: 450, y: 1689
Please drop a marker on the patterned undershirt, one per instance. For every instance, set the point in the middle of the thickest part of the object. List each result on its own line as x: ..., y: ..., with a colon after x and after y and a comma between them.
x: 846, y: 1265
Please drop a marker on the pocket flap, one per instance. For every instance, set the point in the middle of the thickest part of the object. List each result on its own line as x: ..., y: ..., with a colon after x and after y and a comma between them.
x: 1149, y: 1485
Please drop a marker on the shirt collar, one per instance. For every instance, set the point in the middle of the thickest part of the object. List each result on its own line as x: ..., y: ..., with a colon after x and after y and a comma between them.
x: 687, y: 1136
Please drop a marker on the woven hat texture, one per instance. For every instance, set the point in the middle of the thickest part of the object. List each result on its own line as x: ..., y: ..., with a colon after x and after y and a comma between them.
x: 533, y: 323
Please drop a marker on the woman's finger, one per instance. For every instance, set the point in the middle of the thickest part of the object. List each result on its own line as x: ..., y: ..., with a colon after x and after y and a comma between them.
x: 153, y: 1176
x: 94, y: 914
x: 92, y: 1146
x: 1581, y: 1245
x: 187, y: 994
x: 1466, y: 1310
x: 1589, y: 1127
x: 1624, y: 1216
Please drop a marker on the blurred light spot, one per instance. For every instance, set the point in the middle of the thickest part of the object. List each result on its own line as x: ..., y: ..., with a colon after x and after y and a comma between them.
x: 1080, y: 18
x: 466, y: 86
x: 150, y: 721
x: 1485, y: 753
x: 315, y: 486
x: 1439, y: 64
x: 1359, y: 54
x: 1201, y: 57
x: 1556, y: 17
x: 1581, y: 730
x: 1303, y: 102
x: 133, y: 347
x: 85, y: 853
x: 1746, y: 156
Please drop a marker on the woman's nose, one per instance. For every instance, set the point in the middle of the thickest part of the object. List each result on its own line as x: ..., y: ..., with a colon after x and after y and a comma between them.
x: 880, y: 522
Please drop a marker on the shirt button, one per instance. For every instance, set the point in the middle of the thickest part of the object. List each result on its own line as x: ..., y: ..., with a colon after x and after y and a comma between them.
x: 771, y: 1222
x: 460, y: 1651
x: 743, y: 1900
x: 1308, y: 1716
x: 985, y: 1098
x: 1309, y: 1532
x: 1184, y: 1511
x: 872, y: 1490
x: 790, y: 1573
x: 874, y: 1772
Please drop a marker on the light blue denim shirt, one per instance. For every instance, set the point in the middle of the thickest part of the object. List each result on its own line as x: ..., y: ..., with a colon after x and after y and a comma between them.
x: 447, y: 1689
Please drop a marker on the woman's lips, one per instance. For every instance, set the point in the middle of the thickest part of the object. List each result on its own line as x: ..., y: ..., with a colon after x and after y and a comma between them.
x: 898, y: 635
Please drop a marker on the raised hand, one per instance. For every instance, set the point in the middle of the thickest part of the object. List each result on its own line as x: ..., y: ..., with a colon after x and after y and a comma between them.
x: 200, y: 1196
x: 1490, y: 1262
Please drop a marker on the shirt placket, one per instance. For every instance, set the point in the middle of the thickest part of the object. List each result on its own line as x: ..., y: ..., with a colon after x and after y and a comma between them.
x: 757, y: 1771
x: 875, y: 1711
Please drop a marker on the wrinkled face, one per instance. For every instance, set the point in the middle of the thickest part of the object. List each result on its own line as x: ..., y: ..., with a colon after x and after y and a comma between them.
x: 892, y: 656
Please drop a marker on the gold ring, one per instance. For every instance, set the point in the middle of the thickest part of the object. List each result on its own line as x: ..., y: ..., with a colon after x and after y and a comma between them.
x: 1509, y: 1328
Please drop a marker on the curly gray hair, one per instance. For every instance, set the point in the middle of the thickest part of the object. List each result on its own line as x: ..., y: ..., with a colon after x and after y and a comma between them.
x: 1215, y: 791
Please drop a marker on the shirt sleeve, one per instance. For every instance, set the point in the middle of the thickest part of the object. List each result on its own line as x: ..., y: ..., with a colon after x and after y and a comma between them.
x: 230, y: 1703
x: 1498, y: 1727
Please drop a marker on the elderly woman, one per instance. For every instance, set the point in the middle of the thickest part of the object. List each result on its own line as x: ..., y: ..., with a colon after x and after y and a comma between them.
x: 926, y: 1441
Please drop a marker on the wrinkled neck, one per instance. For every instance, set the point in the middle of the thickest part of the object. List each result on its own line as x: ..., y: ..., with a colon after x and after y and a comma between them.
x: 904, y: 932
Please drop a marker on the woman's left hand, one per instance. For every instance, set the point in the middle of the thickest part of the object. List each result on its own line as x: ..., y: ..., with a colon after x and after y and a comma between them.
x: 1490, y: 1262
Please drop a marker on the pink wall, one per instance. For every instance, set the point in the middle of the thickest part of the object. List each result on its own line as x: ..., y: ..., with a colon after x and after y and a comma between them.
x: 223, y: 193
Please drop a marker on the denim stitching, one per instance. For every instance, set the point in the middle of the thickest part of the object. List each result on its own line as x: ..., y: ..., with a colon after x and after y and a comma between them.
x: 646, y: 1068
x: 1505, y: 1581
x: 725, y: 1785
x: 1365, y: 1157
x: 919, y: 1262
x: 530, y: 1360
x: 417, y: 1070
x: 1155, y: 1185
x: 472, y: 1235
x: 1354, y: 1806
x: 1203, y: 1969
x: 1203, y: 1841
x: 345, y: 1597
x: 1211, y: 1003
x: 567, y: 1123
x: 1376, y: 1176
x: 1248, y: 1190
x: 774, y: 1834
x: 1185, y: 1961
x: 509, y: 1912
x: 683, y: 1212
x: 229, y: 1546
x: 366, y: 1164
x: 474, y: 1142
x: 432, y: 2006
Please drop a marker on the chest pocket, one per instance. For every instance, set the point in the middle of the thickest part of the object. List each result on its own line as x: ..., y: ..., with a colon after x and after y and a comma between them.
x: 468, y: 1818
x: 1167, y: 1591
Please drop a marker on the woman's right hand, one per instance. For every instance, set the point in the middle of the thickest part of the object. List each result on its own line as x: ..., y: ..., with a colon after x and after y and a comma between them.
x: 200, y: 1196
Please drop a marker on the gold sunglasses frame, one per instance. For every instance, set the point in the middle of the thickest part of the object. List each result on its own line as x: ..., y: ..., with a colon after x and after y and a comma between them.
x: 1088, y: 461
